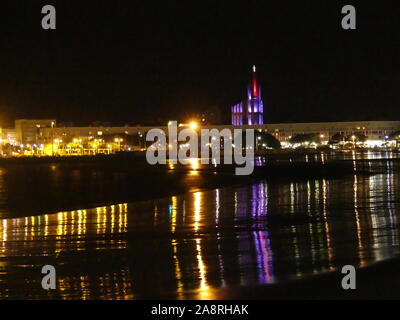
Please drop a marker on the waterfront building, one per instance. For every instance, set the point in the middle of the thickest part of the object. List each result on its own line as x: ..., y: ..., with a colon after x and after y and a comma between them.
x: 42, y: 137
x: 27, y: 131
x: 9, y: 135
x: 374, y: 131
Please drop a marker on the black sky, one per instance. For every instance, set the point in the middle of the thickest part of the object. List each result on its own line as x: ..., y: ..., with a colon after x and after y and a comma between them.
x: 138, y: 61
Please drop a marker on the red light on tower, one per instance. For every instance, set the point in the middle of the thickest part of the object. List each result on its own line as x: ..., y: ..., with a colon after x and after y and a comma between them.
x: 255, y: 91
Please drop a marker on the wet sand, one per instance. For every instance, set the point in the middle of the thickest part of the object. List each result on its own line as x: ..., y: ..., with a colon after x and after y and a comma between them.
x: 379, y: 281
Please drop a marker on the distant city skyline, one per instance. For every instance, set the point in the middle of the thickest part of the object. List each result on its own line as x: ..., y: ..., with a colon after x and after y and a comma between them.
x: 160, y: 62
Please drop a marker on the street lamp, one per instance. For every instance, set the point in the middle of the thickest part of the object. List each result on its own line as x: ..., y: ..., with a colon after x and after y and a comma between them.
x: 140, y: 140
x: 353, y: 137
x: 52, y: 138
x: 117, y: 140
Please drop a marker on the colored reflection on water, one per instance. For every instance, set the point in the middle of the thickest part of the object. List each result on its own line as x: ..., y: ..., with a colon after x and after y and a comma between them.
x: 197, y: 245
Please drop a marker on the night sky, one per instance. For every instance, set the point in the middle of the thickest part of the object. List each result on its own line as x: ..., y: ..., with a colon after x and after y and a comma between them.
x: 142, y: 62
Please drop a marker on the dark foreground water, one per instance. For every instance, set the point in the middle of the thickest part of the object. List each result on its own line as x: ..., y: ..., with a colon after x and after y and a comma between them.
x: 202, y: 244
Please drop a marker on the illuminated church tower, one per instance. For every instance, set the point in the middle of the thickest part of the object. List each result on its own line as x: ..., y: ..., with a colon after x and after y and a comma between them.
x: 251, y: 110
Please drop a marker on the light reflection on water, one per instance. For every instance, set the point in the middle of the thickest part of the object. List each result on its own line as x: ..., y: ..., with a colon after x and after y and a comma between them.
x: 193, y: 245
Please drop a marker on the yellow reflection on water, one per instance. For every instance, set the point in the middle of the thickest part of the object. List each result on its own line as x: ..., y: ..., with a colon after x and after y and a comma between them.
x: 104, y: 220
x: 354, y: 160
x: 194, y: 165
x: 32, y: 227
x: 391, y: 200
x: 123, y: 217
x: 358, y: 223
x: 204, y: 291
x: 46, y: 225
x: 171, y: 166
x: 292, y: 198
x: 308, y: 198
x: 155, y: 215
x: 81, y: 223
x: 327, y: 229
x: 236, y: 202
x: 178, y: 274
x: 84, y: 284
x: 217, y: 206
x: 197, y: 208
x: 98, y: 219
x: 60, y: 225
x: 376, y: 183
x: 113, y: 216
x: 4, y: 231
x: 71, y: 231
x: 174, y: 213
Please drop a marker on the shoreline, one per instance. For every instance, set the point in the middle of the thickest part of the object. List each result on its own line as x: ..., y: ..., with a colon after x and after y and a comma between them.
x: 121, y: 181
x: 139, y: 155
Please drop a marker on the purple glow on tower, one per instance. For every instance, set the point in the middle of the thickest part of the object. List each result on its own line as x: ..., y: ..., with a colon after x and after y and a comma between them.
x: 251, y: 110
